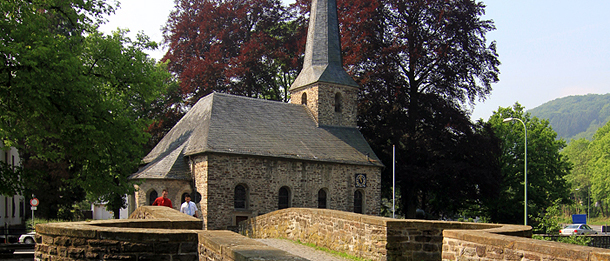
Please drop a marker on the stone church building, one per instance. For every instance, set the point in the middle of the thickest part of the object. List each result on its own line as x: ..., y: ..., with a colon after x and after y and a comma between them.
x: 241, y: 157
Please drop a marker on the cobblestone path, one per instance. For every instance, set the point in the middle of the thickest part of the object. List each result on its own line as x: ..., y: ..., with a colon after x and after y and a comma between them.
x: 301, y: 250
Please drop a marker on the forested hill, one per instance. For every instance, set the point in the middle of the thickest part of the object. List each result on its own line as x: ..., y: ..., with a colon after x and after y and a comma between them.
x: 575, y: 117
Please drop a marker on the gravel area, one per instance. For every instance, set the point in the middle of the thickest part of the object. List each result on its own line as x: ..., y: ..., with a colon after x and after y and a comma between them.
x: 301, y: 250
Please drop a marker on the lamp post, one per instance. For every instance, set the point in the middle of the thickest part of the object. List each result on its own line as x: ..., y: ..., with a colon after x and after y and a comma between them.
x: 587, y: 220
x: 525, y: 168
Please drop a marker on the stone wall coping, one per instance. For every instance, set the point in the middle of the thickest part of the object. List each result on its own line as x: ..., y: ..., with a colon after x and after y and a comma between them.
x: 156, y: 212
x: 504, y: 237
x: 123, y: 229
x: 238, y: 247
x: 399, y: 223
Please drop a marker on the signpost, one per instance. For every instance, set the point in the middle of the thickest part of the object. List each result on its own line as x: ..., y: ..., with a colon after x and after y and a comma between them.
x: 34, y: 203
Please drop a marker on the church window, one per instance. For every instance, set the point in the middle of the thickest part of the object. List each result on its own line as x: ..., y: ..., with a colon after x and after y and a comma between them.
x: 196, y: 197
x: 240, y: 201
x: 338, y: 102
x: 358, y: 201
x: 304, y: 98
x: 152, y: 196
x: 322, y: 198
x: 284, y: 198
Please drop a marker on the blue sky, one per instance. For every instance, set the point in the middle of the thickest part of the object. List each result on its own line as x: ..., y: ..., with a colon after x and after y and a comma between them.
x: 548, y: 49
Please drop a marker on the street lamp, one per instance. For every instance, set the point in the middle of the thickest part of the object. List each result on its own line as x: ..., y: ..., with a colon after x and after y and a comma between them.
x: 588, y: 200
x: 525, y: 170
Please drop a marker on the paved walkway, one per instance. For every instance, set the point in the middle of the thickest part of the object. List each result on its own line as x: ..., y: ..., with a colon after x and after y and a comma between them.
x: 301, y: 250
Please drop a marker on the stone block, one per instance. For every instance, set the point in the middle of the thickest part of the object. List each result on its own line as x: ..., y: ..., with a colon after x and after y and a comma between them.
x: 431, y: 247
x: 52, y: 250
x: 104, y: 243
x: 153, y: 257
x: 62, y: 251
x: 185, y: 257
x: 481, y: 251
x: 62, y: 241
x: 48, y: 240
x: 117, y: 257
x: 166, y: 248
x: 92, y: 255
x: 129, y: 247
x: 76, y: 252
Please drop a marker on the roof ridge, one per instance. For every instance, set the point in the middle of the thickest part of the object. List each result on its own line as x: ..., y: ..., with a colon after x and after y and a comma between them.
x: 252, y: 98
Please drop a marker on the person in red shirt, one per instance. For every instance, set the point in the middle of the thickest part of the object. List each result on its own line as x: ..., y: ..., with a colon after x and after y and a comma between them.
x: 163, y: 200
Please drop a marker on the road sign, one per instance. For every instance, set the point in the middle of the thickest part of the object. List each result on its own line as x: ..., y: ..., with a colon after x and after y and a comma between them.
x: 34, y: 202
x: 33, y: 208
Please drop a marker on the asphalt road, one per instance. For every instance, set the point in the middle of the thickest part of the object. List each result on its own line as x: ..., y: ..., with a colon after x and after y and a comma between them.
x: 19, y: 255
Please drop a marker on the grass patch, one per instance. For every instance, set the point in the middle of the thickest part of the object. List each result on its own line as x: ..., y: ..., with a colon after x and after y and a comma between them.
x: 332, y: 252
x: 31, y: 225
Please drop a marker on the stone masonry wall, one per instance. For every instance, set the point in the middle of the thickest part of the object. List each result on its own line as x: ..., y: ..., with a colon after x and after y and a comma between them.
x: 321, y: 103
x: 263, y: 177
x: 172, y: 237
x: 151, y: 233
x: 487, y: 245
x: 161, y: 233
x: 368, y: 237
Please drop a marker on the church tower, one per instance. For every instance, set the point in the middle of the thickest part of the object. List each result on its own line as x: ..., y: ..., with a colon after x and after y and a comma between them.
x: 323, y: 85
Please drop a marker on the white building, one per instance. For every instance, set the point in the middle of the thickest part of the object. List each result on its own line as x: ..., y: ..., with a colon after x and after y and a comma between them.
x: 12, y: 208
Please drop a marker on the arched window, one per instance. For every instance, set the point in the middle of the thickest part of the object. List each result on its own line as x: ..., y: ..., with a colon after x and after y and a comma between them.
x: 338, y: 102
x: 152, y: 196
x: 304, y: 98
x: 196, y: 197
x: 322, y: 198
x: 358, y: 201
x: 240, y: 199
x: 284, y: 198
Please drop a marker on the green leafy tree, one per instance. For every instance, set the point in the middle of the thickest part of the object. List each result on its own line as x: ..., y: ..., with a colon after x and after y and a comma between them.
x: 73, y: 101
x: 579, y: 179
x: 550, y: 221
x: 547, y: 168
x: 599, y: 165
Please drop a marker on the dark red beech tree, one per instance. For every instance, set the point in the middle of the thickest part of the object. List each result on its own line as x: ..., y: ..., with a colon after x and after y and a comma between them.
x: 233, y: 46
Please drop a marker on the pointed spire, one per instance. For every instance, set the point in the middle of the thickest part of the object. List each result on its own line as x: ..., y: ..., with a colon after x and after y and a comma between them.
x: 323, y: 61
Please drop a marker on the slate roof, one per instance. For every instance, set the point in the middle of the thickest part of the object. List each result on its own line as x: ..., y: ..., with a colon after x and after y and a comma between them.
x: 323, y: 60
x: 223, y: 123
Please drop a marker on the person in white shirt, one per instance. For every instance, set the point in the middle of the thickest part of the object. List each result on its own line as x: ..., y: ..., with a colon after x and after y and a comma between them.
x: 188, y: 207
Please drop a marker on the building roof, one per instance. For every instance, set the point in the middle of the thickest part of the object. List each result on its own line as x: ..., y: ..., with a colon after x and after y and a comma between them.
x: 323, y: 61
x: 230, y: 124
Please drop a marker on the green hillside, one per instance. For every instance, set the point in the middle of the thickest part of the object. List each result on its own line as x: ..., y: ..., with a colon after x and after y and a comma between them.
x: 575, y: 117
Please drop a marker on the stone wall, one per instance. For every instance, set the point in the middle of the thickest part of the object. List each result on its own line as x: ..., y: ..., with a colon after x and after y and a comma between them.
x: 161, y: 233
x: 263, y: 177
x: 321, y: 103
x: 491, y: 245
x: 369, y: 237
x: 151, y: 233
x: 165, y: 234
